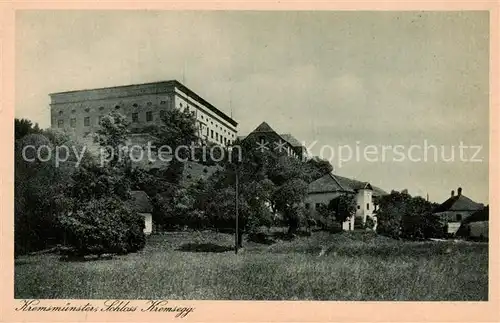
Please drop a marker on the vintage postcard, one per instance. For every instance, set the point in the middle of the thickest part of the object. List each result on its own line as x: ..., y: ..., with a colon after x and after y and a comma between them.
x: 249, y: 162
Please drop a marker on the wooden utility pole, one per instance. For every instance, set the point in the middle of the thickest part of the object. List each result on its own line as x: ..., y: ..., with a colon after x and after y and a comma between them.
x: 236, y: 233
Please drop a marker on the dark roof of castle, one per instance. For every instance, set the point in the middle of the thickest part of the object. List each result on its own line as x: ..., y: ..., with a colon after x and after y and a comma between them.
x: 140, y: 202
x: 264, y: 127
x: 457, y: 203
x: 291, y: 139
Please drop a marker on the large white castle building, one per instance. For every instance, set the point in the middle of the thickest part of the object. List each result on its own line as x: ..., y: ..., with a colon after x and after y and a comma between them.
x: 79, y: 111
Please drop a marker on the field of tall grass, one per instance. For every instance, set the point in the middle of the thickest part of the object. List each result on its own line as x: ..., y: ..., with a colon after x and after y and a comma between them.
x: 324, y: 266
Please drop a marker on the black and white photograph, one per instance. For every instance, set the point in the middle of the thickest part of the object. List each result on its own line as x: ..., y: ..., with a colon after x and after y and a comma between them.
x: 251, y: 155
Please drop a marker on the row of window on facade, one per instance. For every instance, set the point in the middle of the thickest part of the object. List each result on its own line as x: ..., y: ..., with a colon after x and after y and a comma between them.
x: 149, y: 117
x: 135, y: 117
x: 117, y: 107
x: 86, y: 120
x: 218, y: 137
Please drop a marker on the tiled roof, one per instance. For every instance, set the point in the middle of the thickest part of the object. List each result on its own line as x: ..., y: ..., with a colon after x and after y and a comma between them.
x: 481, y: 215
x: 263, y: 127
x: 327, y: 183
x: 335, y: 183
x: 266, y: 128
x: 291, y: 139
x: 459, y: 203
x: 352, y: 183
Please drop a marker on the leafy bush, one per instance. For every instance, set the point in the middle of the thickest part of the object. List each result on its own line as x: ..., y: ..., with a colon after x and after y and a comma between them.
x: 101, y: 226
x: 36, y: 186
x: 423, y: 226
x: 369, y: 223
x: 325, y: 219
x: 344, y: 207
x: 389, y: 225
x: 403, y: 216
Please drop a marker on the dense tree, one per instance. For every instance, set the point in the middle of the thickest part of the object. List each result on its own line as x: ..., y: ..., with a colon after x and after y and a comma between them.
x: 402, y: 216
x: 390, y: 213
x: 343, y: 206
x: 268, y: 184
x: 103, y: 225
x: 98, y: 218
x: 289, y: 198
x: 23, y: 127
x: 38, y: 183
x: 177, y: 127
x: 317, y: 167
x: 112, y: 135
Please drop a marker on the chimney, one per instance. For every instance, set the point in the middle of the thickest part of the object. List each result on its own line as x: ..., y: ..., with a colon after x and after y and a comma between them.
x: 459, y: 191
x: 452, y: 193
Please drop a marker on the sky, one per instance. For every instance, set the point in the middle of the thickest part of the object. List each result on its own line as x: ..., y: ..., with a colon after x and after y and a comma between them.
x: 331, y: 78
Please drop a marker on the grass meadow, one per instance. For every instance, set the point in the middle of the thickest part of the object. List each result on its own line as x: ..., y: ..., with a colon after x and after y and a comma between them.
x: 324, y: 266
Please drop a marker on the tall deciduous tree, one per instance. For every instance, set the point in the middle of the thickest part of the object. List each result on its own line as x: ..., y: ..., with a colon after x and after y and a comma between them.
x: 23, y: 127
x: 177, y: 127
x: 38, y: 185
x: 289, y: 198
x: 401, y: 215
x: 112, y: 135
x: 99, y: 219
x: 343, y: 206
